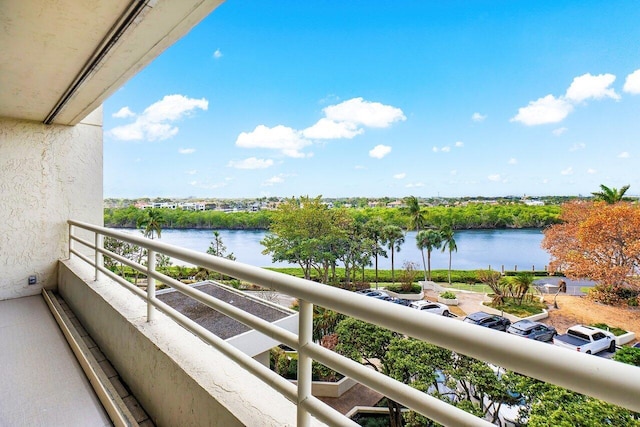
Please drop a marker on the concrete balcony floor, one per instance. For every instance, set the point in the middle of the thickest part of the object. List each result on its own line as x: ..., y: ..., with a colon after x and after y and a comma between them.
x: 42, y: 382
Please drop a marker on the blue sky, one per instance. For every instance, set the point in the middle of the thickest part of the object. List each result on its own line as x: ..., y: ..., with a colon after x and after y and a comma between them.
x: 378, y: 98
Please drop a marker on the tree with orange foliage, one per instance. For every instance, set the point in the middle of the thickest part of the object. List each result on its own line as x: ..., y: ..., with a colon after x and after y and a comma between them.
x: 597, y: 241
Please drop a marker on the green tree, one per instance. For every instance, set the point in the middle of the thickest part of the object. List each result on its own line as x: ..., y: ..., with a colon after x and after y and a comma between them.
x: 151, y: 223
x: 448, y: 243
x: 302, y: 232
x: 610, y: 195
x: 415, y: 213
x: 394, y: 238
x: 217, y: 247
x: 374, y: 230
x: 428, y: 239
x: 629, y: 355
x: 368, y: 344
x: 548, y: 405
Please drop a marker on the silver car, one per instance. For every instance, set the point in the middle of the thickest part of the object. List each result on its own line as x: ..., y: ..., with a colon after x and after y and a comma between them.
x: 532, y: 330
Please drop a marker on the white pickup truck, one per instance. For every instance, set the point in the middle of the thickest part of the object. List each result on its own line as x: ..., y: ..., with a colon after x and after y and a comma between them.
x: 586, y: 339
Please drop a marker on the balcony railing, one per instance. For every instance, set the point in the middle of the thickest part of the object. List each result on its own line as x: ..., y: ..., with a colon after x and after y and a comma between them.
x: 604, y: 379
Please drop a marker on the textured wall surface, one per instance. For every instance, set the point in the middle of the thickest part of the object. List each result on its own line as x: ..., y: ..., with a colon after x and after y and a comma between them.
x: 48, y: 174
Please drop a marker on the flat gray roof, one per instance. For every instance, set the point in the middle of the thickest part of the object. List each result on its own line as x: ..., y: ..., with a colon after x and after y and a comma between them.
x: 214, y: 321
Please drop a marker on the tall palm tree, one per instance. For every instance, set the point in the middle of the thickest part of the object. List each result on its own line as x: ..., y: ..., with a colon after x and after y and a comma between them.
x: 394, y: 237
x: 374, y: 230
x: 610, y: 195
x: 413, y: 210
x: 448, y: 242
x: 416, y: 219
x: 429, y: 240
x: 152, y: 223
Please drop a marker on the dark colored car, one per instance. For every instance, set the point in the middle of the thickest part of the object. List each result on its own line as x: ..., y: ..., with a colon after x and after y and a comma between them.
x: 532, y: 330
x: 400, y: 301
x: 492, y: 321
x: 375, y: 294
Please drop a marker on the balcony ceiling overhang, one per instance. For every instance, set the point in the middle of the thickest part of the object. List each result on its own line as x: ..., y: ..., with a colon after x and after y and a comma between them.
x: 60, y: 59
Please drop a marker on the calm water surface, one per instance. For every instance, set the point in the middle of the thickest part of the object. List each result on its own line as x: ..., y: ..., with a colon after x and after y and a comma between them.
x: 476, y: 248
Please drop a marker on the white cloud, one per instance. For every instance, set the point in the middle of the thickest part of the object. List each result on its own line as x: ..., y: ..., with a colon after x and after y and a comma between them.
x: 567, y: 171
x: 414, y: 185
x: 379, y: 151
x: 453, y: 172
x: 191, y: 172
x: 632, y: 83
x: 588, y: 86
x: 513, y: 161
x: 444, y: 149
x: 591, y: 171
x: 123, y: 113
x: 154, y: 123
x: 208, y: 186
x: 278, y: 179
x: 477, y: 117
x: 328, y: 129
x: 494, y: 177
x: 187, y: 150
x: 288, y: 141
x: 544, y: 110
x: 366, y: 113
x: 217, y: 54
x: 577, y: 146
x: 400, y: 175
x: 459, y: 144
x: 624, y: 155
x: 251, y: 163
x: 559, y: 131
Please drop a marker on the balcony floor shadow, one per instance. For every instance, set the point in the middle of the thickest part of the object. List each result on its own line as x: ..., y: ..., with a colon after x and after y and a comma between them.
x: 42, y: 382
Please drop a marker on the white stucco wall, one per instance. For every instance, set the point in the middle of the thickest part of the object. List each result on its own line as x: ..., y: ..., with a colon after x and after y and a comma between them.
x: 48, y: 174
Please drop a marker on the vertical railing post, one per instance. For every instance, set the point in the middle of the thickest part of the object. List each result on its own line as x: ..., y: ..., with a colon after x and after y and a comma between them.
x: 151, y: 284
x: 70, y: 240
x: 305, y: 336
x: 98, y: 260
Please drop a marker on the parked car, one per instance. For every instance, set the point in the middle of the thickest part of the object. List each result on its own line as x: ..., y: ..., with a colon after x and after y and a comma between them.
x: 532, y: 330
x: 492, y: 321
x: 430, y: 307
x: 375, y: 293
x: 586, y: 339
x: 400, y: 301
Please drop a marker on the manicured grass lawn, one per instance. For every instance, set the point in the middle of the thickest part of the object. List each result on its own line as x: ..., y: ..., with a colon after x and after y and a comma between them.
x: 524, y: 310
x: 468, y: 287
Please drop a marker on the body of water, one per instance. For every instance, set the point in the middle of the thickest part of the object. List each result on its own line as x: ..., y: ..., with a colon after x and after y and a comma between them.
x: 476, y: 248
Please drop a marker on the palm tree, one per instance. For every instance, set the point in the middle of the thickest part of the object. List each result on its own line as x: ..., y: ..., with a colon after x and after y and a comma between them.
x: 152, y: 223
x: 429, y: 240
x: 394, y: 237
x: 610, y: 195
x: 448, y: 242
x: 416, y: 216
x: 374, y: 231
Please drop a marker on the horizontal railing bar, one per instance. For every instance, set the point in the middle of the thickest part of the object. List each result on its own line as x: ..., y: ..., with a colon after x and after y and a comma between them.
x: 283, y: 386
x: 317, y: 408
x: 438, y: 410
x: 263, y: 326
x: 604, y: 379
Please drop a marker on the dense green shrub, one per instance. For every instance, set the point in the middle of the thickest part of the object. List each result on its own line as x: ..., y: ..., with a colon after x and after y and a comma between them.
x: 448, y: 295
x: 629, y: 355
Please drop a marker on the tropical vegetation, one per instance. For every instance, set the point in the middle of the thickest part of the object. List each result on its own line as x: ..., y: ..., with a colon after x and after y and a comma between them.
x: 600, y: 241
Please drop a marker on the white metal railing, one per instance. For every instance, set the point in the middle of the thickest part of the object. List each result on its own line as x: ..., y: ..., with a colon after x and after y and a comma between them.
x: 604, y: 379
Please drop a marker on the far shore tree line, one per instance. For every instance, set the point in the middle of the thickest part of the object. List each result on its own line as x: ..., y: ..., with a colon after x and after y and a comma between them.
x: 470, y: 216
